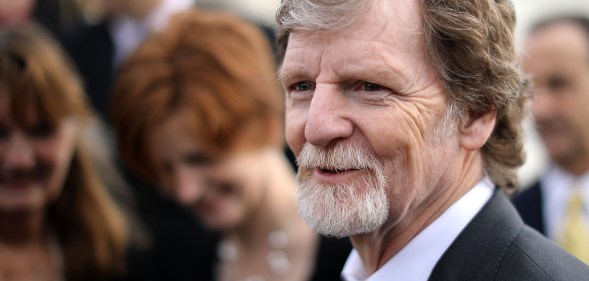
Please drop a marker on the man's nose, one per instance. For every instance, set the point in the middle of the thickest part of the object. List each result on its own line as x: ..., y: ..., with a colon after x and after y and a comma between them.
x: 543, y: 104
x: 19, y: 153
x: 188, y: 186
x: 327, y: 120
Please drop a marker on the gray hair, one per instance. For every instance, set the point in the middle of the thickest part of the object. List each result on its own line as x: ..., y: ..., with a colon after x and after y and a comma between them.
x: 470, y: 45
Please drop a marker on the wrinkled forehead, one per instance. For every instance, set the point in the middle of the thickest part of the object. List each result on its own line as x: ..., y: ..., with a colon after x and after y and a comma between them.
x: 389, y: 40
x: 384, y: 19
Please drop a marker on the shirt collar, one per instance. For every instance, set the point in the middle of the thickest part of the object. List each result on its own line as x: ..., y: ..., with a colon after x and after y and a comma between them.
x: 418, y: 258
x: 128, y: 32
x: 159, y: 17
x: 557, y: 186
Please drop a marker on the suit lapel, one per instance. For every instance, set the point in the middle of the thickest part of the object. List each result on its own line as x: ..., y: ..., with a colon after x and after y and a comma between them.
x: 477, y: 252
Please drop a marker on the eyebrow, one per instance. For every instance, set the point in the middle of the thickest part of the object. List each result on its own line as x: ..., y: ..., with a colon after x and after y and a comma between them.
x: 288, y: 74
x: 379, y: 74
x: 382, y: 75
x: 375, y: 71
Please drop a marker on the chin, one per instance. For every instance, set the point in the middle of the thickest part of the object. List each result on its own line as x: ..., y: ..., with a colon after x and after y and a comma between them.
x: 22, y: 201
x: 21, y: 207
x: 216, y: 223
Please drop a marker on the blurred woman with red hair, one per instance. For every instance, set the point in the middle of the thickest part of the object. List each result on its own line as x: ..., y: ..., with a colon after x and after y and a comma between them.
x: 197, y: 110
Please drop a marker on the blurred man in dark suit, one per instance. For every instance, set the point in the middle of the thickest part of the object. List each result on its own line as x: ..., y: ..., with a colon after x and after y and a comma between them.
x: 557, y: 58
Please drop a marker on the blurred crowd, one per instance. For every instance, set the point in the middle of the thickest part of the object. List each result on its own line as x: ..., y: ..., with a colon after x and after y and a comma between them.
x: 143, y: 140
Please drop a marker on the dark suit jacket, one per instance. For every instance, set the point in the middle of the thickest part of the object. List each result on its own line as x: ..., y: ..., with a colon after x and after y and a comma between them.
x: 529, y: 206
x: 496, y: 245
x: 92, y: 52
x: 330, y: 259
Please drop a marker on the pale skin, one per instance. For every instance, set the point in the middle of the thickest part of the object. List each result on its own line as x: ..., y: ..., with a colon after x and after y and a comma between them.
x: 24, y: 242
x: 272, y: 208
x: 371, y: 85
x: 16, y: 12
x: 557, y: 58
x: 245, y: 195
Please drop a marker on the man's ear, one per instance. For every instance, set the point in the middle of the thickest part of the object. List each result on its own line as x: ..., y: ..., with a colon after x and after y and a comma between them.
x: 475, y: 132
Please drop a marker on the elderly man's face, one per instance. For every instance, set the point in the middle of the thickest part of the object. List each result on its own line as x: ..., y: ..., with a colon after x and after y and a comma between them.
x: 364, y: 113
x: 558, y: 61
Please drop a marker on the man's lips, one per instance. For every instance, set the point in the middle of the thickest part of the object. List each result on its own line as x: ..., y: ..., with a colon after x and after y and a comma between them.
x: 335, y: 175
x: 551, y: 133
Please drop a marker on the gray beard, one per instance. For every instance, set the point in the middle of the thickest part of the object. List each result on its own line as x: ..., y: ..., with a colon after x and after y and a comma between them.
x: 344, y: 210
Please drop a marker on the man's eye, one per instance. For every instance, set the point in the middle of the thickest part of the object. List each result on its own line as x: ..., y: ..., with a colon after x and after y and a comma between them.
x: 557, y: 83
x: 302, y: 86
x: 197, y: 159
x: 370, y: 87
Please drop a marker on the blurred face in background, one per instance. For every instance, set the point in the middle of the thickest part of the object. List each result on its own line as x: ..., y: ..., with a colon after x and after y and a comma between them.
x: 181, y: 160
x: 237, y: 185
x: 220, y: 192
x: 15, y: 11
x: 557, y: 58
x: 135, y: 8
x: 34, y: 159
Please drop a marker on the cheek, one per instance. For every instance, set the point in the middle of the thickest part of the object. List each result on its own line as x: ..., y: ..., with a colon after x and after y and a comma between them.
x: 400, y: 143
x: 251, y: 193
x: 225, y: 211
x: 53, y: 154
x: 248, y: 194
x: 56, y: 154
x: 581, y: 104
x: 295, y: 129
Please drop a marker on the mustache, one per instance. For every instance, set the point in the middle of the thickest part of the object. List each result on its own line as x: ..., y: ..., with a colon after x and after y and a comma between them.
x: 337, y: 157
x: 551, y: 124
x: 36, y: 173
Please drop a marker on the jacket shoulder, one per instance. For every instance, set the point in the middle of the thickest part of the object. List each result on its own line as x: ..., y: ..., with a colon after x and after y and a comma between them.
x: 533, y: 257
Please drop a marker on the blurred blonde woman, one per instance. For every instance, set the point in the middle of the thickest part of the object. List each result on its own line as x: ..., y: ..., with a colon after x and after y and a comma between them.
x: 57, y: 221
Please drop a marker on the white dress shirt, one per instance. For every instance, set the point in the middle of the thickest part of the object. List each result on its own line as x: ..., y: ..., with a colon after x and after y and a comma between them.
x: 127, y: 32
x: 556, y: 188
x: 417, y: 259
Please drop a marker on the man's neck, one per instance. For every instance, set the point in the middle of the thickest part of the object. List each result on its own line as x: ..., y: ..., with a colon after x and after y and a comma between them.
x: 375, y: 249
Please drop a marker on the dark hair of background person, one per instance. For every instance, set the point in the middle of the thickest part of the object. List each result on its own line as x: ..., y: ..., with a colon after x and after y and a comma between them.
x: 91, y: 230
x: 188, y: 67
x: 579, y: 20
